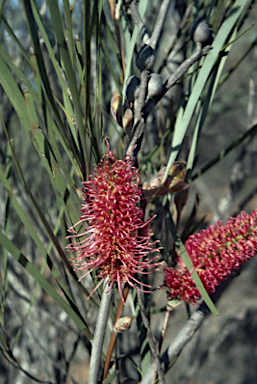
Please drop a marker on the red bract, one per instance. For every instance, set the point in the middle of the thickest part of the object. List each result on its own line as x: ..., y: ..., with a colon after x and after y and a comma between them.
x: 112, y: 243
x: 215, y: 253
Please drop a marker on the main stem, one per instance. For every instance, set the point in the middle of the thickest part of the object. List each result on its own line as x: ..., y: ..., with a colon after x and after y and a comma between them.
x: 99, y: 335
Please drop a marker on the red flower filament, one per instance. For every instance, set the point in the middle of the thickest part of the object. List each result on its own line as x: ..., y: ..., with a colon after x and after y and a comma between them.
x: 113, y: 244
x: 215, y: 253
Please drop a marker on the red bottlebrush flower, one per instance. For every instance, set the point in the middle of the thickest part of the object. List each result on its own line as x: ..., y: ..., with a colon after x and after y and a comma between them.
x: 215, y: 253
x: 113, y: 243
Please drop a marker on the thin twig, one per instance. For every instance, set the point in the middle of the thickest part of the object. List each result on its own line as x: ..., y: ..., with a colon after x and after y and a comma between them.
x: 175, y: 41
x: 99, y: 335
x: 159, y: 24
x: 140, y: 102
x: 139, y: 123
x: 183, y: 337
x: 136, y: 140
x: 7, y: 353
x: 182, y: 69
x: 164, y: 329
x: 172, y: 304
x: 169, y: 309
x: 251, y: 104
x: 114, y: 333
x: 138, y: 21
x: 151, y: 339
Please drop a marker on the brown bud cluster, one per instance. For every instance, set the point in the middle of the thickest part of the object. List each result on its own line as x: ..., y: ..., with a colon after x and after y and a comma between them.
x: 174, y: 182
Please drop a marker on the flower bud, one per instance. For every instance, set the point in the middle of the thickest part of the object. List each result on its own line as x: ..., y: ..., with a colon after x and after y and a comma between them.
x: 123, y: 324
x: 132, y: 88
x: 116, y: 106
x: 154, y: 85
x: 127, y: 121
x: 145, y: 58
x: 174, y: 182
x: 200, y: 31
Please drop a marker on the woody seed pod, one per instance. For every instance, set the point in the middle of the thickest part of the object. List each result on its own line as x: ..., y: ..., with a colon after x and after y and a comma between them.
x: 132, y: 88
x: 154, y: 85
x: 200, y: 31
x: 145, y: 58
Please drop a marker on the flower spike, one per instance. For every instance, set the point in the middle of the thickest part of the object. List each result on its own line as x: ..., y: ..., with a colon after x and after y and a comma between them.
x: 113, y: 245
x: 215, y: 253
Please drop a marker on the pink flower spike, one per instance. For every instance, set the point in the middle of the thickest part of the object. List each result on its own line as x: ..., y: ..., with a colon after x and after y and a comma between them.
x: 215, y: 253
x: 113, y: 242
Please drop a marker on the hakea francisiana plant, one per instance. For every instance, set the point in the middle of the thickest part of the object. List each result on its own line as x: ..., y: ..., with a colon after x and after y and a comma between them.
x: 215, y: 253
x: 117, y: 240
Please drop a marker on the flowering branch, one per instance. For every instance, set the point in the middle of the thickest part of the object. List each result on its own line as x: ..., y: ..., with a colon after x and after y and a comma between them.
x: 186, y: 334
x: 215, y: 252
x: 116, y: 242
